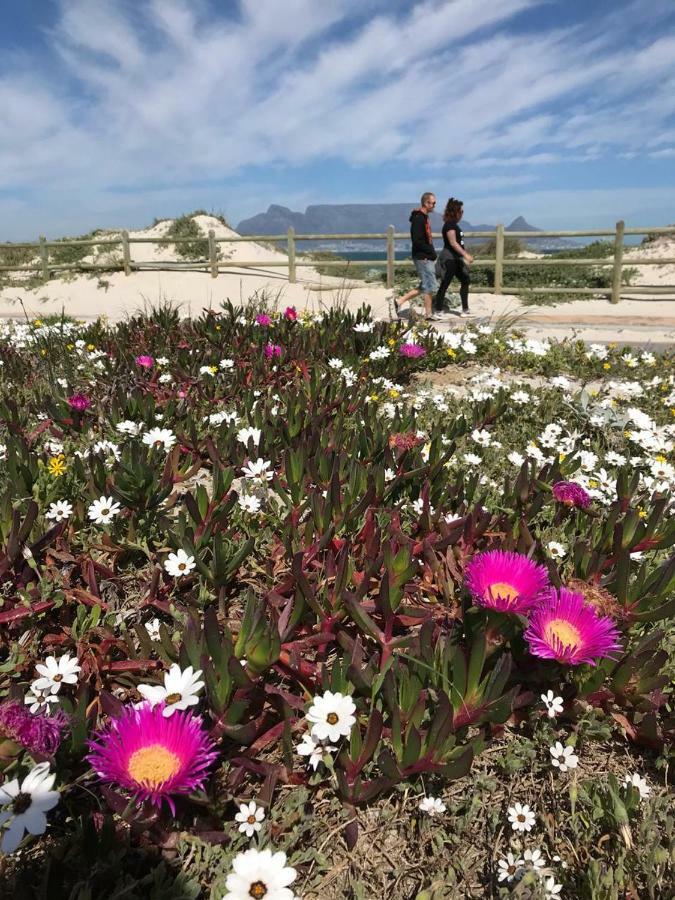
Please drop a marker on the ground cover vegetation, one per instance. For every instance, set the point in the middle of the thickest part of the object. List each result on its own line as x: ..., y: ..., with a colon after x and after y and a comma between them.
x: 318, y: 606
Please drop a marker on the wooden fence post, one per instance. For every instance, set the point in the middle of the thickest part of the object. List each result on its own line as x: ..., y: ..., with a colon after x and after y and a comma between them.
x: 213, y: 253
x: 291, y: 254
x: 499, y: 259
x: 126, y: 255
x: 391, y: 256
x: 44, y: 258
x: 618, y: 260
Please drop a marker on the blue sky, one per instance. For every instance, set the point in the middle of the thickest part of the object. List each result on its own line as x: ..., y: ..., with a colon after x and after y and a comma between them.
x: 113, y: 113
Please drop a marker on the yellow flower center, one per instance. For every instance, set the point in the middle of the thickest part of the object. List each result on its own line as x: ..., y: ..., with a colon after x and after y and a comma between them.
x: 172, y: 698
x: 563, y: 631
x: 502, y: 590
x: 332, y: 718
x: 257, y: 890
x: 153, y: 765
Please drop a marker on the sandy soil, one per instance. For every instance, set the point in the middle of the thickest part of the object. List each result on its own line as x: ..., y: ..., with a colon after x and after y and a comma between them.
x: 117, y: 296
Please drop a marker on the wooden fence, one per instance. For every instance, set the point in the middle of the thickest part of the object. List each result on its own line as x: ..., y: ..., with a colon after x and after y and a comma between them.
x: 293, y: 262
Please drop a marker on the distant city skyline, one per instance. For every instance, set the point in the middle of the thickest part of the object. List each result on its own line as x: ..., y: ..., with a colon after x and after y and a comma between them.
x: 113, y: 114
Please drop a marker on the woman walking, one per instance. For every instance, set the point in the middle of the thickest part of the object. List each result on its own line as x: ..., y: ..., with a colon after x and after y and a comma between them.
x: 455, y: 256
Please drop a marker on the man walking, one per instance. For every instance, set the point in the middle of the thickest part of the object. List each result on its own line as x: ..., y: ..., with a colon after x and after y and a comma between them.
x: 423, y: 254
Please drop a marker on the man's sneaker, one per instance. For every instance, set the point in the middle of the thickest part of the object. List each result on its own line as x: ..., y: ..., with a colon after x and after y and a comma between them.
x: 465, y: 314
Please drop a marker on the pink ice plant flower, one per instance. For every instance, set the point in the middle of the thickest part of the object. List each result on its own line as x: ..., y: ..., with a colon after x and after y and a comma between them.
x: 36, y: 733
x: 570, y: 493
x: 565, y: 628
x: 505, y: 581
x: 145, y: 362
x: 290, y: 313
x: 263, y: 319
x: 272, y: 350
x: 412, y: 351
x: 79, y: 402
x: 151, y: 756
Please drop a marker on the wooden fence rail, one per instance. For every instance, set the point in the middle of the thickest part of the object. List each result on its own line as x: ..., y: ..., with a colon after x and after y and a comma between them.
x: 292, y: 262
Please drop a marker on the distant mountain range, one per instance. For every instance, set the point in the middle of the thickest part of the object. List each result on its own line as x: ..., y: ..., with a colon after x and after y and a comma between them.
x: 351, y: 218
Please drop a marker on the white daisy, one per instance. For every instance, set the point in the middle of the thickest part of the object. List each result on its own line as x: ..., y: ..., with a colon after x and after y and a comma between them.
x: 180, y: 690
x: 635, y: 780
x: 314, y: 750
x: 179, y: 563
x: 260, y: 469
x: 160, y: 437
x: 56, y: 672
x: 244, y: 435
x: 509, y: 867
x: 534, y: 859
x: 59, y: 511
x: 226, y: 364
x: 260, y: 874
x: 556, y: 549
x: 552, y: 889
x: 39, y: 700
x: 553, y: 704
x: 249, y: 504
x: 432, y: 805
x: 521, y: 817
x: 250, y: 816
x: 26, y: 804
x: 152, y: 627
x: 364, y: 327
x: 563, y: 758
x: 102, y: 511
x: 332, y: 716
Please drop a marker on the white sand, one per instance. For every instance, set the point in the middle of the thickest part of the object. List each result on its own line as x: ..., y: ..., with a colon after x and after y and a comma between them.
x: 80, y: 295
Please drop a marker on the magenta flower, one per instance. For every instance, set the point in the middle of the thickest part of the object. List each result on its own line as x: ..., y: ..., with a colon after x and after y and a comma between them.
x: 565, y: 628
x: 571, y: 494
x: 146, y: 362
x: 272, y: 350
x: 412, y: 351
x: 290, y: 313
x: 151, y: 756
x: 79, y: 402
x: 36, y: 733
x: 263, y: 319
x: 505, y: 581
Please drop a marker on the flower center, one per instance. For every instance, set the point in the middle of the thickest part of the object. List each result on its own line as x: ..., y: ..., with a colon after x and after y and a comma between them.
x: 251, y: 820
x: 57, y: 678
x: 332, y: 718
x: 503, y: 591
x: 563, y: 631
x: 522, y: 818
x: 182, y: 566
x: 257, y: 890
x: 172, y: 698
x: 21, y: 803
x: 153, y: 765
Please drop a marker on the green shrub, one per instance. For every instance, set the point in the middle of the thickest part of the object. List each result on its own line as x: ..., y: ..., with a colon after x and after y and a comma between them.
x: 186, y: 227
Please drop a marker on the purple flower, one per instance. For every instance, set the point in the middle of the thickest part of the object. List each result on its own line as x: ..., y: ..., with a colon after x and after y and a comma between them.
x: 263, y: 319
x: 565, y: 628
x: 272, y: 350
x: 571, y: 494
x: 146, y: 362
x: 505, y: 581
x: 152, y: 756
x: 79, y: 402
x: 36, y: 733
x: 412, y: 351
x: 290, y: 313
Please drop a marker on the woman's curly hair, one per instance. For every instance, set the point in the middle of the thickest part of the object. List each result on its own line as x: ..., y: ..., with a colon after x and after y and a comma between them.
x: 453, y: 210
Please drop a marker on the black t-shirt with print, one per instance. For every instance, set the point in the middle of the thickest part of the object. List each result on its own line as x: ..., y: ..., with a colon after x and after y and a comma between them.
x: 459, y: 237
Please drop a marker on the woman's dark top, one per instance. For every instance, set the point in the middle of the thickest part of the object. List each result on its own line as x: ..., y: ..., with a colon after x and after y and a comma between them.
x: 459, y: 237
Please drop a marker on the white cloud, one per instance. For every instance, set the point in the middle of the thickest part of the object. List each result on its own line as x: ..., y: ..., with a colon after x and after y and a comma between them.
x: 176, y: 92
